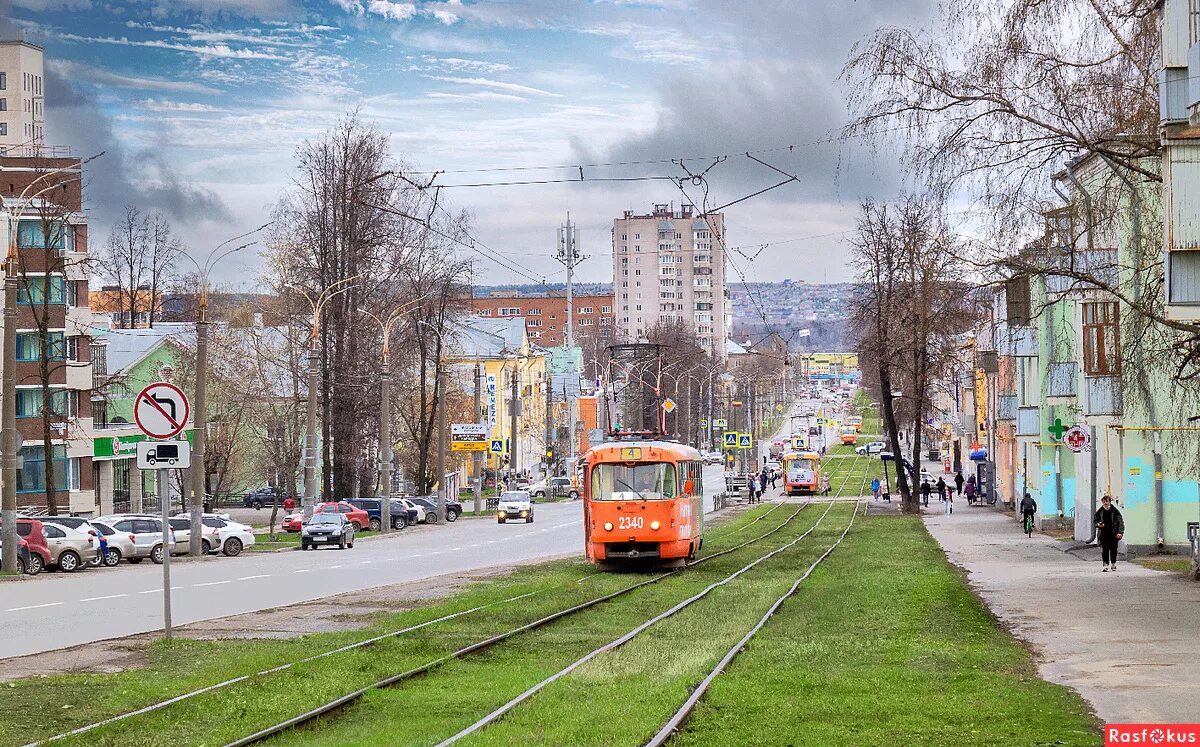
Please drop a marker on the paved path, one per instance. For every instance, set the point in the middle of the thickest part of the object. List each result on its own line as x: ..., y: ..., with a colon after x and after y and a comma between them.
x: 1127, y: 642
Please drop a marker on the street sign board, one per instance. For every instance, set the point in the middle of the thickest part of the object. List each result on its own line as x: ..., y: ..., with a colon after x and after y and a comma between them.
x: 731, y: 439
x: 468, y: 432
x: 720, y: 424
x: 496, y: 446
x: 468, y: 446
x: 745, y: 441
x: 1078, y: 439
x: 668, y: 405
x: 161, y: 410
x: 164, y: 455
x: 704, y: 424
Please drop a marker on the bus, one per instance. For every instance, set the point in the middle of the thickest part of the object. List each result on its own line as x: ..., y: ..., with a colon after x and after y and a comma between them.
x: 642, y: 501
x: 856, y: 421
x: 849, y: 435
x: 801, y: 472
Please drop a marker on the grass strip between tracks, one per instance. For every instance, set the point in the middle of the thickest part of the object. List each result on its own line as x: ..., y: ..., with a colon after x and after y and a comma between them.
x: 43, y: 706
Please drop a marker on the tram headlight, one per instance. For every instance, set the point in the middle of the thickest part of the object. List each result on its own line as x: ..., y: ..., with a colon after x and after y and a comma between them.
x: 655, y: 525
x: 608, y: 526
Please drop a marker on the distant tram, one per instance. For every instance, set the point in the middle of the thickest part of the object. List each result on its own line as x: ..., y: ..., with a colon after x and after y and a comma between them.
x: 856, y: 421
x: 849, y: 435
x: 801, y: 472
x: 642, y: 500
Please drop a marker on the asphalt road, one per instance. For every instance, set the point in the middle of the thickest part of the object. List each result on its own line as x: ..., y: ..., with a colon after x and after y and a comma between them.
x: 57, y: 610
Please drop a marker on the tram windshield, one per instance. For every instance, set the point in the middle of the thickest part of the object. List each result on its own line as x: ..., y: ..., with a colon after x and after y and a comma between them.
x: 640, y: 482
x: 800, y: 470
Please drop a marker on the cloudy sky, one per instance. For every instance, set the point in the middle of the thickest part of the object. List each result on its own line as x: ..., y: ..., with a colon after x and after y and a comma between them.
x: 199, y: 105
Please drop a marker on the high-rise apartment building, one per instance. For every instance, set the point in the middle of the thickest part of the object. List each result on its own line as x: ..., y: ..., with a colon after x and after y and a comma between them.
x: 22, y: 105
x: 669, y: 267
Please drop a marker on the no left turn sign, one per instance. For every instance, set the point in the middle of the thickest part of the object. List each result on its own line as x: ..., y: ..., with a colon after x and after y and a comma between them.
x: 161, y: 410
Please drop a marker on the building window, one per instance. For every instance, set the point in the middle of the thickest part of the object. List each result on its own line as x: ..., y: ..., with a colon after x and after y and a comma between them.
x: 29, y: 347
x: 3, y: 81
x: 45, y: 234
x: 533, y: 322
x: 64, y: 402
x: 586, y: 322
x: 3, y: 105
x: 32, y: 477
x: 510, y: 311
x: 605, y: 309
x: 3, y: 128
x: 584, y: 310
x: 534, y: 312
x: 1101, y: 339
x: 32, y: 290
x: 484, y: 312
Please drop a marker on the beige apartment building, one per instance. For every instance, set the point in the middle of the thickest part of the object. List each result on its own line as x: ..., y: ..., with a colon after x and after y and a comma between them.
x: 669, y: 266
x: 22, y: 105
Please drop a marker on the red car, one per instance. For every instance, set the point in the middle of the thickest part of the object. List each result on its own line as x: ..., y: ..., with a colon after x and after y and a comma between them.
x: 293, y: 522
x: 33, y: 537
x: 356, y: 516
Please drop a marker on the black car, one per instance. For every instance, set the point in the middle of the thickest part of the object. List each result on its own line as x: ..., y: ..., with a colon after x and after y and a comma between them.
x: 430, y: 502
x: 401, y: 516
x: 260, y: 497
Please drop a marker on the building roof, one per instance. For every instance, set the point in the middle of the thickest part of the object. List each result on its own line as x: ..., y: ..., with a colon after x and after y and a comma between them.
x: 732, y: 348
x: 487, y: 337
x: 128, y: 346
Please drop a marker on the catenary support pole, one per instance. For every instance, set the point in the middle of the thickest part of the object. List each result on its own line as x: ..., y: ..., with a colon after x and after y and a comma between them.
x: 477, y: 457
x: 310, y: 431
x: 8, y: 506
x: 385, y: 443
x: 200, y: 424
x: 443, y: 487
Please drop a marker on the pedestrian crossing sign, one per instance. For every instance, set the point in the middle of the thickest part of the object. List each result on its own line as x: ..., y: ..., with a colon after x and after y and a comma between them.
x: 731, y: 439
x: 745, y: 441
x: 497, y: 446
x: 704, y: 424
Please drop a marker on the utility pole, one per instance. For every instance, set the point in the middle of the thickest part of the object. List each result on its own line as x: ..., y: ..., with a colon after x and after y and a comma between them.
x: 385, y: 439
x: 514, y: 405
x: 309, y: 501
x: 477, y: 457
x: 199, y: 421
x: 8, y: 509
x: 441, y: 455
x: 568, y: 255
x: 550, y: 440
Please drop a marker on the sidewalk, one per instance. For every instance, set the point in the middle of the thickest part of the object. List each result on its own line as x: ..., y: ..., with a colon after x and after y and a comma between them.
x: 1126, y: 641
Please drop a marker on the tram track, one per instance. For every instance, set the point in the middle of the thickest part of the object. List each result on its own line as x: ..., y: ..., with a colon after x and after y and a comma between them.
x: 413, y: 672
x: 684, y: 712
x: 622, y: 640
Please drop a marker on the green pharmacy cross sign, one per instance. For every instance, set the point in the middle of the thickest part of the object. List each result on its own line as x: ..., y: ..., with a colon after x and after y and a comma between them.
x: 1058, y: 429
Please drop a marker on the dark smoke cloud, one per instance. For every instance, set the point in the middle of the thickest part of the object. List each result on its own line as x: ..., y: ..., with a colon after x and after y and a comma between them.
x: 122, y: 176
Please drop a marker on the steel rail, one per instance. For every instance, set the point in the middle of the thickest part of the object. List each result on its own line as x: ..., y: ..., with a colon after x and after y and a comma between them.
x: 622, y: 640
x: 351, y: 697
x: 685, y: 711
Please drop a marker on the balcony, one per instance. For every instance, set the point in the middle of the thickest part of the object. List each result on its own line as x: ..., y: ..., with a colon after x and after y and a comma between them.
x: 1103, y: 395
x: 1006, y: 407
x: 1060, y: 379
x: 1029, y: 421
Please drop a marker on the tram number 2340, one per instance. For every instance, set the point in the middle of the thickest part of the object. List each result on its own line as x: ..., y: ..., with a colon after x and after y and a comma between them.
x: 631, y: 522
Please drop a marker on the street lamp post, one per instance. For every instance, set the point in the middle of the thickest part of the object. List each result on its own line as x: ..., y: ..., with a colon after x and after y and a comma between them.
x: 200, y: 417
x: 308, y: 501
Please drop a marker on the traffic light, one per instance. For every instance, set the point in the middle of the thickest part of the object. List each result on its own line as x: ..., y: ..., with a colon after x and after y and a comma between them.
x: 550, y: 453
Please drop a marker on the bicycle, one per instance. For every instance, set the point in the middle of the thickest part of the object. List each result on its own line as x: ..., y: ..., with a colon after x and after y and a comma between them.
x: 1028, y: 525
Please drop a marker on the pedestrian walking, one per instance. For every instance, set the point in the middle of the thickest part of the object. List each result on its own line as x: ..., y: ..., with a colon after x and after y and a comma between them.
x: 103, y: 548
x: 1110, y: 527
x: 941, y: 490
x: 825, y: 483
x: 875, y: 487
x: 774, y: 477
x: 925, y: 491
x: 948, y: 503
x: 958, y: 482
x: 969, y: 490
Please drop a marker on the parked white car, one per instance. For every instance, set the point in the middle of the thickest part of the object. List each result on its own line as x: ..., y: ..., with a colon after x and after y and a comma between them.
x: 413, y: 505
x: 871, y: 448
x: 221, y: 534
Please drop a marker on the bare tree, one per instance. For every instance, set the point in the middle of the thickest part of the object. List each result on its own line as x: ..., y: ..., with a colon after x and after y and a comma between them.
x: 123, y: 264
x: 162, y: 256
x: 907, y: 308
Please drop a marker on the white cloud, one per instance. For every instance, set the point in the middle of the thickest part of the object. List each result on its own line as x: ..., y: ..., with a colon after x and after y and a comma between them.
x: 204, y: 50
x: 164, y: 105
x: 79, y: 72
x: 476, y: 96
x: 496, y: 84
x: 392, y: 10
x: 248, y: 36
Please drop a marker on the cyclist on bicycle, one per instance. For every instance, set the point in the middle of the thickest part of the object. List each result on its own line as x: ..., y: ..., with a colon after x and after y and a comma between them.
x: 1028, y: 508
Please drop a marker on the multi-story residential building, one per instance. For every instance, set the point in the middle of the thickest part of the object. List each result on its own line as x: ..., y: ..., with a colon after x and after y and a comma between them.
x: 1070, y: 353
x: 43, y: 201
x: 669, y: 267
x: 22, y: 112
x: 546, y: 315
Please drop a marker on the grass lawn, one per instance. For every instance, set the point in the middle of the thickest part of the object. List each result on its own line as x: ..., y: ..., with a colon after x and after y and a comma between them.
x: 1170, y: 563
